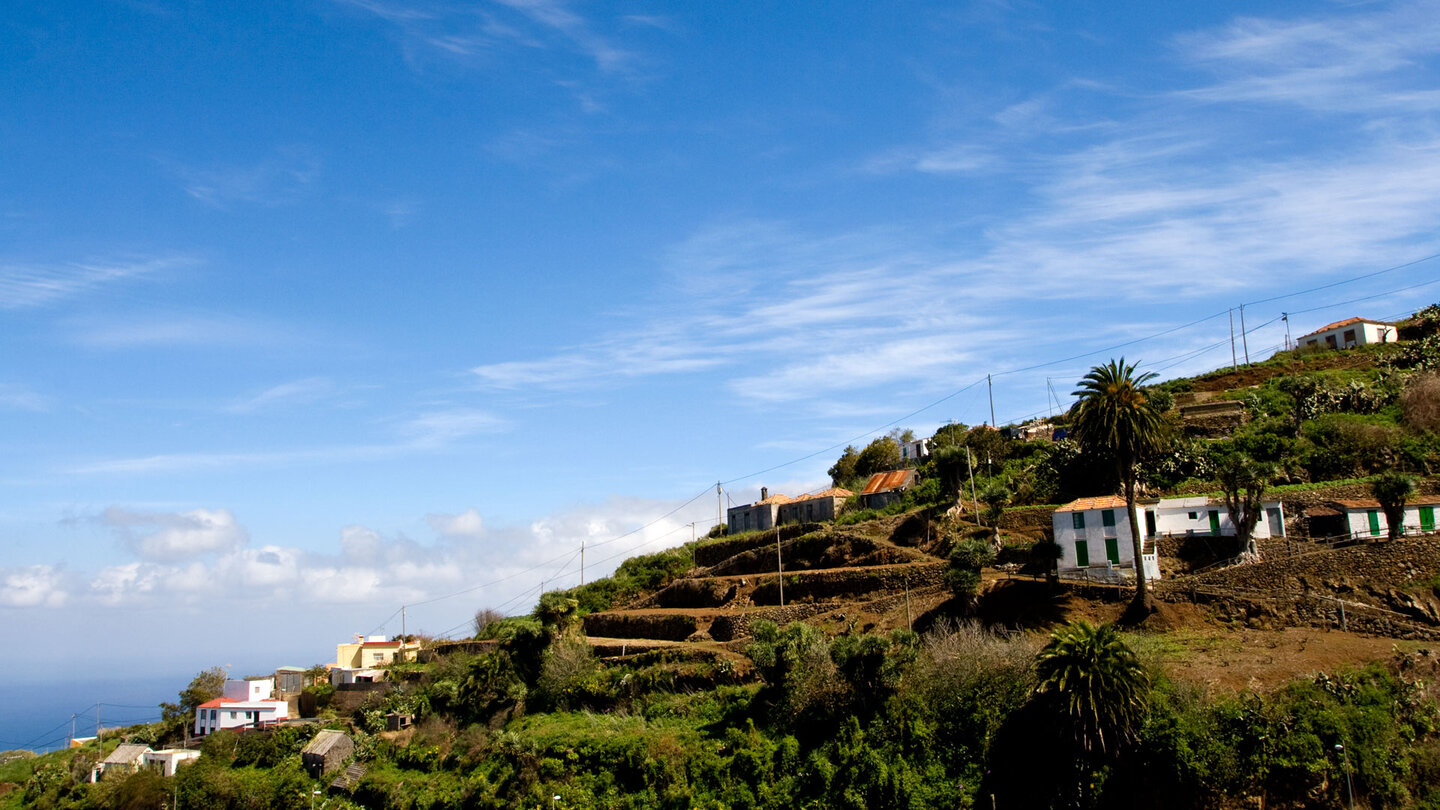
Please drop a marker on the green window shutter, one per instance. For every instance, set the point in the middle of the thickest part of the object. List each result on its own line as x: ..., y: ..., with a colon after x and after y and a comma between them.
x: 1374, y: 522
x: 1427, y: 519
x: 1107, y: 518
x: 1077, y: 519
x: 1082, y: 553
x: 1112, y: 550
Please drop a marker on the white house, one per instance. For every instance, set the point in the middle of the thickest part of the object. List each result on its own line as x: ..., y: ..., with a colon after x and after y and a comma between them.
x: 1349, y: 333
x: 226, y: 713
x: 260, y: 687
x: 1365, y: 518
x: 1209, y: 517
x: 169, y: 760
x: 1094, y: 539
x: 914, y: 451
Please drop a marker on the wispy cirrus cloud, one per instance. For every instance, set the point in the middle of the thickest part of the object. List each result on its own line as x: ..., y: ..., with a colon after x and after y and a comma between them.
x: 431, y: 431
x: 281, y: 178
x: 295, y: 392
x: 33, y: 285
x: 1346, y: 60
x: 178, y: 329
x: 474, y: 32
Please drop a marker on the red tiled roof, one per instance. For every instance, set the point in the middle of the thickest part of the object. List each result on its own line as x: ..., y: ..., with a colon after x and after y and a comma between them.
x: 886, y: 481
x: 380, y: 644
x: 1102, y: 502
x: 1338, y: 324
x: 777, y: 498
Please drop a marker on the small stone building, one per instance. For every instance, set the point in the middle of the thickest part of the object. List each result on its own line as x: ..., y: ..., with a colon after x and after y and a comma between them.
x: 327, y: 752
x: 885, y: 488
x: 817, y: 508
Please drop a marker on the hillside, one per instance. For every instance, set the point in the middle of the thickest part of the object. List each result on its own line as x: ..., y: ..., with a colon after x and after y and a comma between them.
x: 894, y: 657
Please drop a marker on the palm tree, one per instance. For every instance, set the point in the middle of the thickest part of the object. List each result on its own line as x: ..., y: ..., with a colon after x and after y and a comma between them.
x: 1098, y: 681
x: 1114, y: 414
x: 1392, y: 490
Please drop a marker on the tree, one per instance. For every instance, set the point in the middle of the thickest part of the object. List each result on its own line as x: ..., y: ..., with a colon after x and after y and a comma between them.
x: 484, y: 617
x: 1243, y: 480
x: 1098, y: 681
x: 963, y: 573
x: 1113, y: 414
x: 878, y: 456
x: 1392, y: 490
x: 844, y: 470
x: 204, y: 687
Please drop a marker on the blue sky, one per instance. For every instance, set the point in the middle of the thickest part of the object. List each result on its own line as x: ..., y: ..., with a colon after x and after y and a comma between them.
x: 314, y: 310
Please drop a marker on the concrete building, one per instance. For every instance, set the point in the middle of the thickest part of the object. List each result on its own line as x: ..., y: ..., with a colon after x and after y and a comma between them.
x: 1094, y: 539
x: 1365, y: 518
x: 1209, y: 517
x: 762, y: 514
x: 914, y: 452
x: 820, y: 507
x: 168, y: 760
x: 258, y: 687
x: 1349, y: 333
x: 225, y: 713
x: 372, y: 651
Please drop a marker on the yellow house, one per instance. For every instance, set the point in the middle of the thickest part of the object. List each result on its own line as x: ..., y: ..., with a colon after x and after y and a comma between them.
x: 365, y: 652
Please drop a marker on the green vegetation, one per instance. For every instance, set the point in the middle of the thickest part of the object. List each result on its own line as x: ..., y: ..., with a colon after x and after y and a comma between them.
x: 856, y: 721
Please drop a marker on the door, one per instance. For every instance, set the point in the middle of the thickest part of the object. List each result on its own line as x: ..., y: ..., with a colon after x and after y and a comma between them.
x: 1374, y: 522
x: 1215, y: 522
x: 1082, y: 553
x: 1427, y: 519
x: 1149, y: 522
x: 1277, y: 526
x: 1112, y: 550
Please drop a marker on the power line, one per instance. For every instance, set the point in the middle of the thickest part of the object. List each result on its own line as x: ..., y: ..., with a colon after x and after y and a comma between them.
x: 1350, y: 280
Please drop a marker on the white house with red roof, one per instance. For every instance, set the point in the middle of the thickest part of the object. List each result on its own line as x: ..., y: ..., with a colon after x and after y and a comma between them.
x: 226, y: 713
x: 1094, y: 539
x: 1349, y: 333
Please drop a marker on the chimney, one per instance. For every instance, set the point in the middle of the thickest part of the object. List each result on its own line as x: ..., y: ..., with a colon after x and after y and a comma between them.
x: 764, y: 493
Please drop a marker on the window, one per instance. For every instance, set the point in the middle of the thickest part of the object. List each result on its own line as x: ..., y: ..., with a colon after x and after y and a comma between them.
x: 1107, y: 518
x: 1077, y: 520
x: 233, y: 715
x: 1192, y: 515
x: 1330, y: 341
x: 1349, y: 337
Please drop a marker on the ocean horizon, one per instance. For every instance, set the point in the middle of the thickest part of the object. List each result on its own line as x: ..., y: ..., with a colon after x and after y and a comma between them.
x: 37, y: 715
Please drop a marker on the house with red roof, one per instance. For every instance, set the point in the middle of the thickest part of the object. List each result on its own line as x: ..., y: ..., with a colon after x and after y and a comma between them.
x: 762, y: 514
x: 223, y: 712
x: 822, y: 506
x: 1349, y: 333
x: 1094, y: 539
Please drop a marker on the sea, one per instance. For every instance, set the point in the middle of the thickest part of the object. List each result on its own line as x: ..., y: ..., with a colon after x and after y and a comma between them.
x: 39, y: 715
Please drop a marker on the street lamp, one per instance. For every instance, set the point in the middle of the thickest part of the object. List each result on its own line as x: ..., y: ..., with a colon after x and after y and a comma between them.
x: 313, y: 794
x: 554, y: 799
x: 1349, y: 788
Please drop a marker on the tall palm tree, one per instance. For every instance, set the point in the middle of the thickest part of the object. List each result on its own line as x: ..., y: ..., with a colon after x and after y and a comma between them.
x: 1098, y: 681
x: 1114, y: 414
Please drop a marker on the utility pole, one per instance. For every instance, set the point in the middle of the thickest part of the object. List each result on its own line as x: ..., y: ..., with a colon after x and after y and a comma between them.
x: 72, y: 730
x: 717, y: 503
x: 402, y: 620
x: 582, y: 561
x: 779, y: 565
x: 970, y: 464
x: 992, y: 400
x: 909, y: 625
x: 97, y: 721
x: 1234, y: 364
x: 1285, y: 316
x: 1245, y: 342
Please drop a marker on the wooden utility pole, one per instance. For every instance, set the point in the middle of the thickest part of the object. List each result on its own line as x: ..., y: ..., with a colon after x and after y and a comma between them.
x: 1234, y: 364
x: 1244, y: 342
x: 717, y: 503
x: 582, y: 561
x: 990, y: 386
x: 779, y: 565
